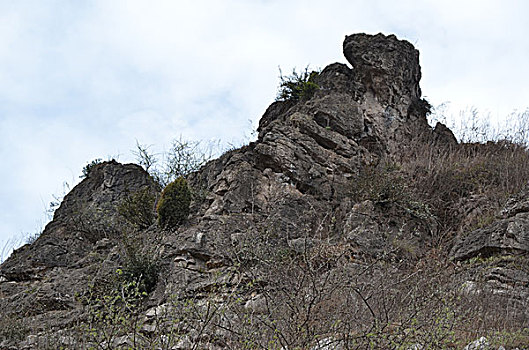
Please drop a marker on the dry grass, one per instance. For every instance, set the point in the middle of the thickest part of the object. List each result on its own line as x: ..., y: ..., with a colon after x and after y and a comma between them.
x: 467, y: 184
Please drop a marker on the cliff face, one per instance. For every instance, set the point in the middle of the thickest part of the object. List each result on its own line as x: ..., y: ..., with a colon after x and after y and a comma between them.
x: 85, y: 217
x: 298, y: 175
x: 284, y: 207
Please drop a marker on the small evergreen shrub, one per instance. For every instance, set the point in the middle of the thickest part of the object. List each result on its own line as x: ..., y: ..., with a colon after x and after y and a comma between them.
x: 88, y: 167
x: 173, y: 207
x: 138, y: 208
x: 298, y: 86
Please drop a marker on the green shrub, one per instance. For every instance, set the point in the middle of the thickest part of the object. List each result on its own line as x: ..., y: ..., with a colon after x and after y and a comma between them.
x: 112, y: 312
x: 138, y: 208
x: 88, y: 167
x: 173, y: 207
x: 298, y: 86
x: 140, y: 267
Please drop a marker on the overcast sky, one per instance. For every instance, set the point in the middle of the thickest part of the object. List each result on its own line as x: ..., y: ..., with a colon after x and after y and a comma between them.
x: 85, y: 79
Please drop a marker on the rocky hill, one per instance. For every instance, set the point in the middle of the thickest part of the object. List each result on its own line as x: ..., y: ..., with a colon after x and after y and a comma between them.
x: 350, y: 223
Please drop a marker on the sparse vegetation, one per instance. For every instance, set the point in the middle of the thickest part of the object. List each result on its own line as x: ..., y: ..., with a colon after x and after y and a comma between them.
x: 460, y: 187
x: 183, y: 158
x: 88, y: 167
x: 323, y: 234
x: 381, y: 184
x: 297, y: 86
x: 465, y: 186
x: 144, y: 157
x: 293, y: 301
x: 472, y: 126
x: 16, y: 241
x: 141, y: 264
x: 94, y: 224
x: 276, y: 296
x: 286, y: 298
x: 483, y: 174
x: 111, y: 316
x: 13, y: 328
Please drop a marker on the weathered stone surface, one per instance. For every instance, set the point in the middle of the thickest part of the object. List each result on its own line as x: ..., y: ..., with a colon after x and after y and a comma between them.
x: 280, y: 198
x: 257, y: 304
x: 386, y: 66
x: 292, y: 180
x: 41, y: 281
x: 86, y: 216
x: 510, y: 234
x: 443, y: 135
x: 495, y: 257
x: 479, y: 344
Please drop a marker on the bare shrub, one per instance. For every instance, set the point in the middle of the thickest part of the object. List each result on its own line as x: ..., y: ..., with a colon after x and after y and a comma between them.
x: 276, y: 296
x: 471, y: 125
x: 182, y: 158
x: 138, y: 208
x: 13, y: 328
x: 322, y: 293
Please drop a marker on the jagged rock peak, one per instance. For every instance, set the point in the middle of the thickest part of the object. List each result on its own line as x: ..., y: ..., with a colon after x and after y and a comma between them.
x: 387, y: 66
x: 84, y: 217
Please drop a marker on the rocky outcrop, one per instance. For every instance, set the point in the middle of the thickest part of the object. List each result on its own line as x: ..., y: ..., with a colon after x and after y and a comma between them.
x: 280, y: 198
x: 308, y: 152
x: 508, y: 235
x: 318, y: 144
x: 386, y: 67
x: 42, y: 281
x: 294, y: 179
x: 495, y: 256
x: 86, y: 216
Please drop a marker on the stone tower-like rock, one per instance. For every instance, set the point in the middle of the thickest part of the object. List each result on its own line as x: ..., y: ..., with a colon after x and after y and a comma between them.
x: 386, y: 66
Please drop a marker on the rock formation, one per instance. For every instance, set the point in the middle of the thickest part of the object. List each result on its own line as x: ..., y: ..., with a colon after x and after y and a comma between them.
x: 279, y: 199
x: 40, y: 280
x: 499, y: 251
